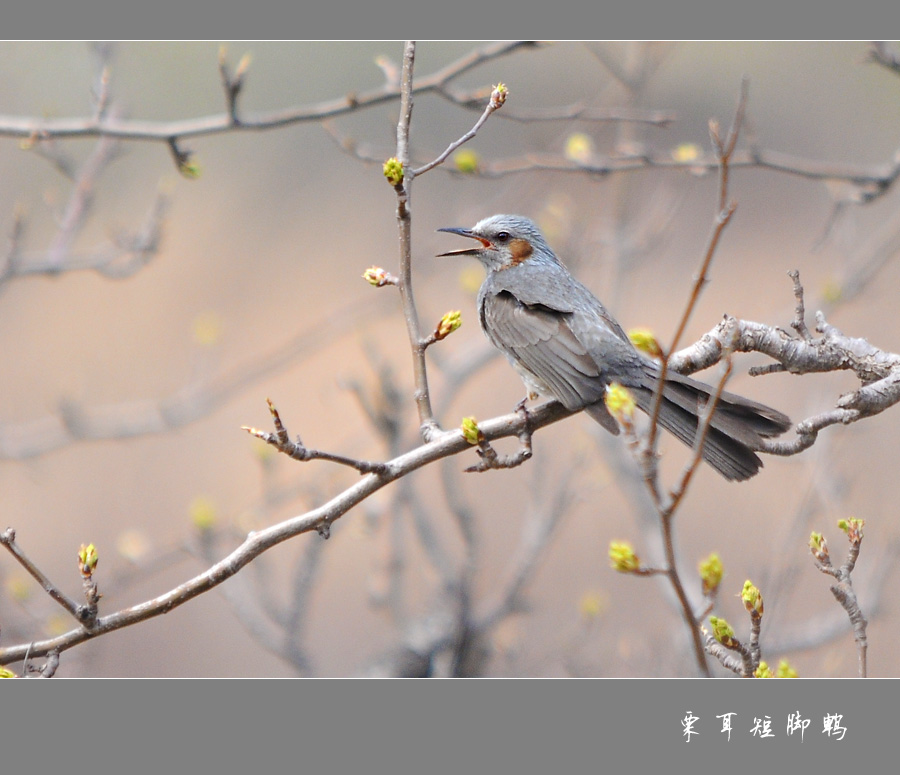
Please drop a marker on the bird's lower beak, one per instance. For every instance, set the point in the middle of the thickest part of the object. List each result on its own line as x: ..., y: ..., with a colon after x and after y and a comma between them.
x: 464, y: 251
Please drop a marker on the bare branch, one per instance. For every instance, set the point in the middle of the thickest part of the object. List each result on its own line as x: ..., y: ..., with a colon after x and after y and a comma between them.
x: 318, y: 519
x: 492, y: 106
x: 296, y: 449
x: 165, y: 131
x: 8, y: 539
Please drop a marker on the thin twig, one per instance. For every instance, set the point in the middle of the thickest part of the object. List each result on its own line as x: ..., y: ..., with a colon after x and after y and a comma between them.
x: 296, y: 449
x: 488, y: 111
x: 41, y: 129
x: 723, y: 218
x: 8, y: 539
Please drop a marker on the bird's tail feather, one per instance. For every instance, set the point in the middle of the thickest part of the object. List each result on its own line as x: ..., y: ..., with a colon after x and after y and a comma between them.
x: 738, y: 428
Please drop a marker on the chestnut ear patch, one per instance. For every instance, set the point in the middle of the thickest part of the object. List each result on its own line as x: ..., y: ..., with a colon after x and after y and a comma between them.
x: 520, y: 250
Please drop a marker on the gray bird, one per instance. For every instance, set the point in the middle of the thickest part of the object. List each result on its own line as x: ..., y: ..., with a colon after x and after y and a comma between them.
x: 564, y: 344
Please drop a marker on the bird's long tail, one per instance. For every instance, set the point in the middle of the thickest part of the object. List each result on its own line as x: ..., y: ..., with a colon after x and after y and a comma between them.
x: 739, y: 426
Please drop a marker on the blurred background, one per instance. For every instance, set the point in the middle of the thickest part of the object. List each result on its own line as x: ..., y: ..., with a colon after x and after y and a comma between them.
x: 255, y: 291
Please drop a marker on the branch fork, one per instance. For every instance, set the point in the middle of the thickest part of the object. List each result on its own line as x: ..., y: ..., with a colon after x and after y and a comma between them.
x: 298, y: 451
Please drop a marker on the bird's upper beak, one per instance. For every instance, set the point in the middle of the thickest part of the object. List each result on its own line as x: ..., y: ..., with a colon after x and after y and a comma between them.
x: 465, y: 251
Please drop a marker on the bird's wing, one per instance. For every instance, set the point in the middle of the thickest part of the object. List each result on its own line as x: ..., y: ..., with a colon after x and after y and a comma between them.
x: 540, y: 340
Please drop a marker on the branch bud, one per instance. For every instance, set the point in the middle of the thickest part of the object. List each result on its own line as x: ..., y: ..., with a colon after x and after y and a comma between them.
x: 87, y: 560
x: 499, y: 95
x: 591, y: 605
x: 189, y: 168
x: 752, y: 598
x: 393, y: 171
x: 203, y: 513
x: 853, y: 527
x: 763, y: 671
x: 711, y: 572
x: 448, y: 324
x: 466, y: 161
x: 818, y: 546
x: 784, y: 670
x: 620, y: 403
x: 379, y: 277
x: 579, y: 148
x: 723, y: 632
x: 622, y: 557
x: 645, y: 341
x: 470, y: 431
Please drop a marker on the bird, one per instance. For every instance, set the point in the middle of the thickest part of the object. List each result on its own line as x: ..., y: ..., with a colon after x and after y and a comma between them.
x: 565, y: 345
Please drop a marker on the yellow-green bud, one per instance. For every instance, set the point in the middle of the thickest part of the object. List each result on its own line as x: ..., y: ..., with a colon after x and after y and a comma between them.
x: 711, y: 572
x: 818, y: 546
x: 207, y: 328
x: 622, y: 557
x: 203, y: 513
x: 832, y: 291
x: 378, y: 277
x: 722, y: 631
x: 190, y: 169
x: 619, y: 402
x: 393, y: 171
x: 579, y: 148
x: 852, y: 527
x: 87, y: 560
x: 784, y: 670
x: 499, y: 95
x: 466, y: 161
x: 5, y: 672
x: 763, y: 671
x: 19, y: 588
x: 448, y: 324
x: 470, y: 430
x: 645, y: 341
x: 591, y: 605
x: 686, y: 153
x: 752, y: 598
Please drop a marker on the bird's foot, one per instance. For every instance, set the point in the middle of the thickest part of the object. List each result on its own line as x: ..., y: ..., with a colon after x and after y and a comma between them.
x: 491, y: 460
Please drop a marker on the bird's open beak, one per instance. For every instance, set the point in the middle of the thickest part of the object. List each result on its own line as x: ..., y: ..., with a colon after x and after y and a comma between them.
x: 464, y: 251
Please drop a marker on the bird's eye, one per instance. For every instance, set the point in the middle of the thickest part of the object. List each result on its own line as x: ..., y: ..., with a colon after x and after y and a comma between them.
x: 502, y: 236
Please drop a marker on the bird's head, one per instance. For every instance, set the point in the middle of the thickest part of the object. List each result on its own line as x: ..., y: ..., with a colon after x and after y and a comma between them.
x: 505, y: 241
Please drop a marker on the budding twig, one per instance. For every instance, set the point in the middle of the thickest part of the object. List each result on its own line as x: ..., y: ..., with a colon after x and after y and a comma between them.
x: 296, y: 449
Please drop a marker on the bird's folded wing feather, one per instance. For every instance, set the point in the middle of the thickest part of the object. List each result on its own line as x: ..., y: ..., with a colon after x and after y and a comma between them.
x: 541, y: 341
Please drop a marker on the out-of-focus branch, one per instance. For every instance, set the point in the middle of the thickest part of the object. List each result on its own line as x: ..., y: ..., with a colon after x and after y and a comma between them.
x: 869, y: 182
x: 121, y: 259
x: 165, y: 131
x: 75, y: 423
x: 885, y: 54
